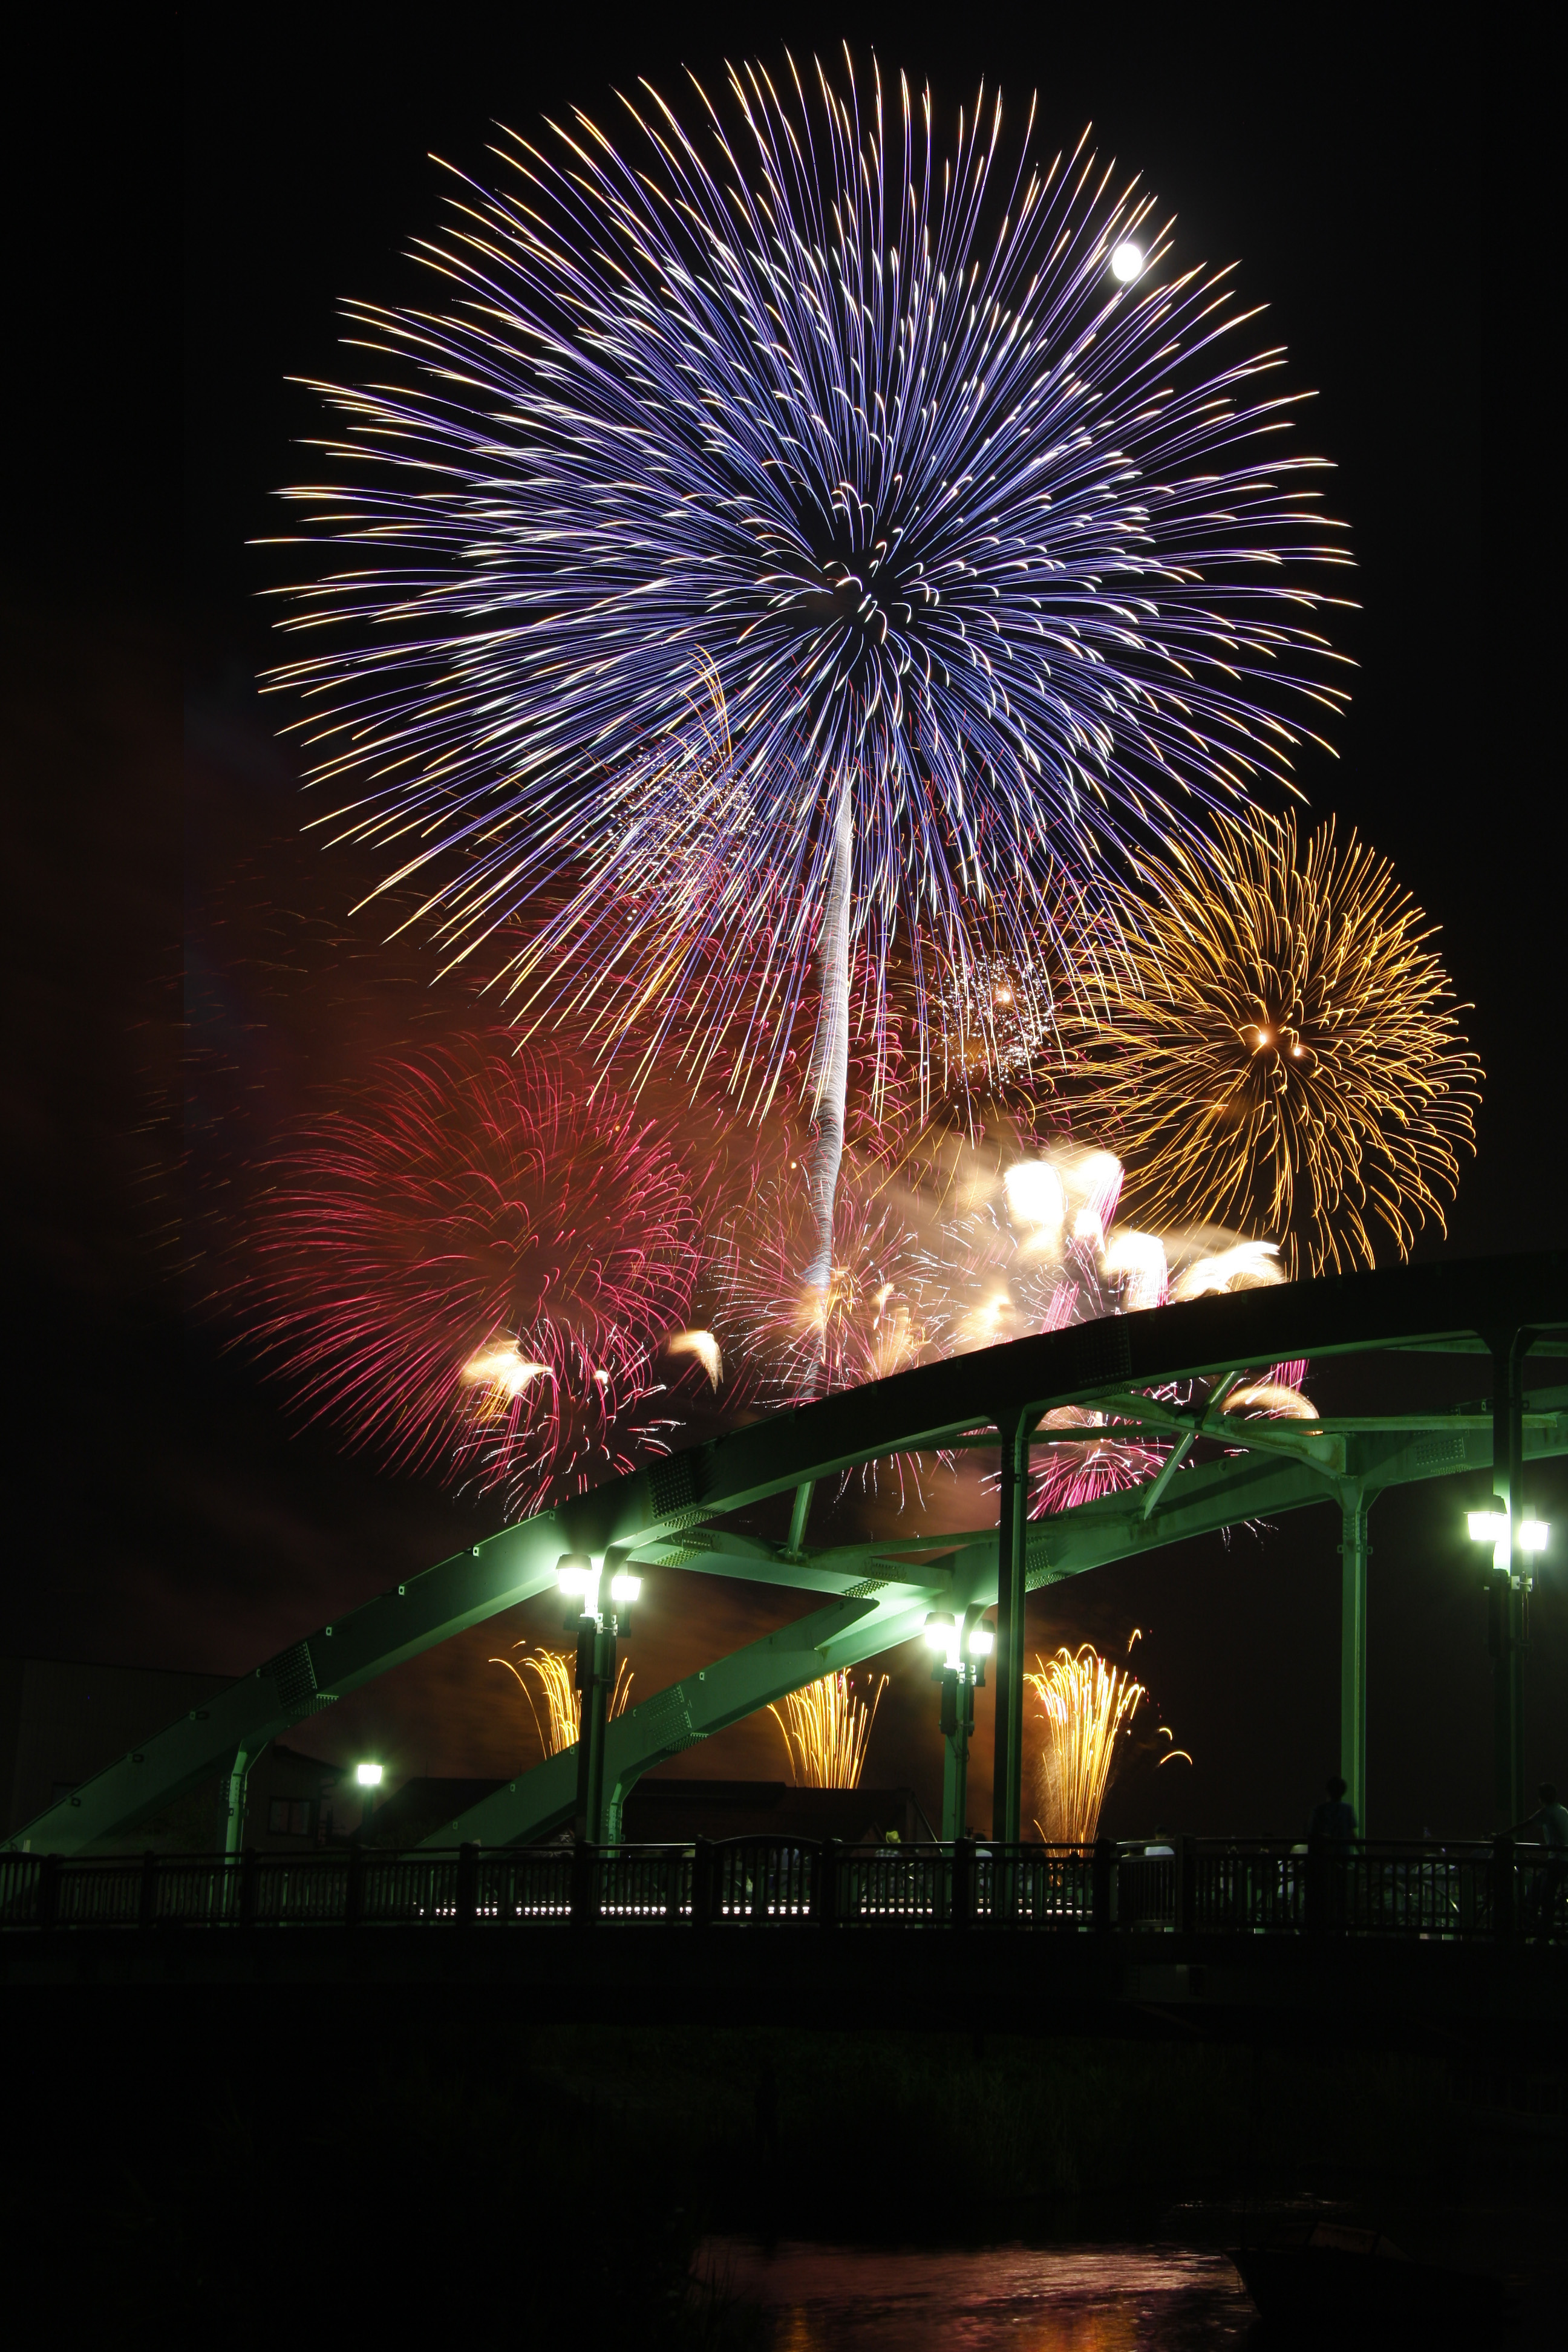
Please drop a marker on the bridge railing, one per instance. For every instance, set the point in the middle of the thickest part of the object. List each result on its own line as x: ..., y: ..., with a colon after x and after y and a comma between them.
x: 1206, y: 1886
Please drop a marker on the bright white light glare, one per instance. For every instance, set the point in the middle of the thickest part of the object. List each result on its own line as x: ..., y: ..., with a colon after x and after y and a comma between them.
x: 502, y: 1365
x: 368, y: 1775
x: 1532, y: 1535
x: 1126, y: 261
x: 1141, y: 1258
x: 1034, y: 1194
x: 1487, y: 1526
x: 625, y: 1586
x: 574, y: 1571
x: 703, y: 1346
x: 940, y: 1632
x: 982, y: 1641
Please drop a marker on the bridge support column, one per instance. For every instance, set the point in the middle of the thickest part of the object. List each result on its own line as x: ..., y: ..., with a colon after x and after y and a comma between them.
x: 1354, y: 1553
x: 1509, y: 1583
x: 595, y: 1679
x: 1007, y: 1798
x: 232, y: 1789
x: 957, y: 1724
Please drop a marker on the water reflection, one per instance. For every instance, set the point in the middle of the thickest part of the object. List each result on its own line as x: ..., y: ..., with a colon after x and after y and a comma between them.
x: 1103, y: 2298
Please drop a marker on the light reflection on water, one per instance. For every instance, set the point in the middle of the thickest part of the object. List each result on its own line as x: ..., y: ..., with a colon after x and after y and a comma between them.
x: 1102, y: 2298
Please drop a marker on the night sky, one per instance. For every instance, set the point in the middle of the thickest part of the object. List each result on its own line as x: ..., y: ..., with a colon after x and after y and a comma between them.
x: 185, y: 970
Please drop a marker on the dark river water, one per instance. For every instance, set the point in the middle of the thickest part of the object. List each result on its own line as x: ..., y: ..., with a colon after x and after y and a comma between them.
x: 1161, y: 2292
x: 1100, y: 2298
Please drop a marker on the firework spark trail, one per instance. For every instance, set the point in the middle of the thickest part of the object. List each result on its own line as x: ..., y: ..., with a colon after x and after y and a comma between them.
x: 554, y: 1675
x: 1079, y: 1469
x: 1085, y: 1703
x: 830, y: 1075
x: 861, y: 1324
x: 474, y: 1267
x: 750, y: 485
x: 1286, y: 1049
x: 826, y: 1729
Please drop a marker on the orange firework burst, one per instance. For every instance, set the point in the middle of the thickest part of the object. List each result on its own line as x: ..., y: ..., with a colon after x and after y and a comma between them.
x: 827, y: 1728
x: 1085, y: 1703
x: 1286, y: 1051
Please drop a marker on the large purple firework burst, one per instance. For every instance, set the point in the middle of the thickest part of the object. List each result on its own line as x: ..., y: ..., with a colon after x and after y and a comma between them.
x: 791, y: 530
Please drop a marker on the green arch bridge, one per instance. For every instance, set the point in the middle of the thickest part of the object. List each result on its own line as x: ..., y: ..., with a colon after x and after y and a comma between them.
x: 872, y: 1596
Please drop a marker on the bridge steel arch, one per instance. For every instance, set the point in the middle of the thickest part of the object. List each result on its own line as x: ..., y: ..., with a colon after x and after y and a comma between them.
x: 876, y: 1595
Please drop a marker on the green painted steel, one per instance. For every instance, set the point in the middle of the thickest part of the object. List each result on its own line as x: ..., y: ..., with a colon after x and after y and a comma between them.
x: 1355, y: 1551
x: 663, y: 1514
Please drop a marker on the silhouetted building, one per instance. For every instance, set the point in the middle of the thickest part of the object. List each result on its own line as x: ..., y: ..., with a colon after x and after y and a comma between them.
x: 421, y: 1808
x: 63, y: 1721
x: 660, y: 1812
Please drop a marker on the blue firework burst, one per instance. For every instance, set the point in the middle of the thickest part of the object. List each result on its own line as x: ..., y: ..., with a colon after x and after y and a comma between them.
x: 789, y: 535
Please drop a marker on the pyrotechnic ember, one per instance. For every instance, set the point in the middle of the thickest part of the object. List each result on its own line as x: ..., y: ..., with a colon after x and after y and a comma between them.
x: 826, y: 1729
x: 1286, y: 1051
x: 474, y: 1266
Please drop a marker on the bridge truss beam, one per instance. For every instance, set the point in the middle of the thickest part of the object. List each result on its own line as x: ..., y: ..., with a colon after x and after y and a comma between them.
x: 665, y: 1512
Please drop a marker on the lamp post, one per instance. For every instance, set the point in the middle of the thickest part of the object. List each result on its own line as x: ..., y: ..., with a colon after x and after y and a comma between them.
x: 1509, y: 1587
x: 367, y: 1777
x: 962, y: 1651
x: 598, y: 1630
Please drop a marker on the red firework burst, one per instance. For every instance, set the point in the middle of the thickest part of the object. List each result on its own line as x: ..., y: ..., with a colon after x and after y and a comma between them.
x: 473, y: 1264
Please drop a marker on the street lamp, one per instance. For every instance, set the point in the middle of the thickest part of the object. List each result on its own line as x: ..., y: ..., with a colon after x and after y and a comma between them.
x: 598, y: 1630
x: 368, y: 1777
x: 962, y: 1647
x: 1492, y: 1527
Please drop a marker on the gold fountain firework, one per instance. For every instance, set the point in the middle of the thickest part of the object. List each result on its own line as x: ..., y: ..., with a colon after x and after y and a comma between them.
x: 1284, y: 1053
x: 550, y: 1677
x: 827, y: 1728
x: 1086, y: 1703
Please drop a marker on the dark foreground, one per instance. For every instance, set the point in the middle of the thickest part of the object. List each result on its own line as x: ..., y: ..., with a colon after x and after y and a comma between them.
x: 265, y: 2158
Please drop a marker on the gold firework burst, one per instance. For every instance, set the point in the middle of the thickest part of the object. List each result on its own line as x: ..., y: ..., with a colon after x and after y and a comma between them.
x: 1284, y: 1053
x: 553, y: 1676
x: 1085, y: 1702
x: 827, y: 1728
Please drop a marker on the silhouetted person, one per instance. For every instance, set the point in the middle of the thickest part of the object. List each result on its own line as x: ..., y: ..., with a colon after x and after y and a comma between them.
x: 1550, y: 1822
x: 1332, y: 1819
x: 1332, y: 1833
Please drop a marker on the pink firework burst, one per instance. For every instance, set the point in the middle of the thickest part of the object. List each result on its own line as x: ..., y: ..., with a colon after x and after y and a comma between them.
x: 473, y: 1267
x: 1079, y: 1467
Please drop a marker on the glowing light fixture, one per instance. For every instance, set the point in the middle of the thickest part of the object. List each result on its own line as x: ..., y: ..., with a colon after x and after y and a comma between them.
x: 1126, y: 262
x: 940, y: 1630
x: 982, y: 1641
x: 1532, y: 1535
x: 574, y: 1572
x: 625, y: 1586
x: 368, y: 1775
